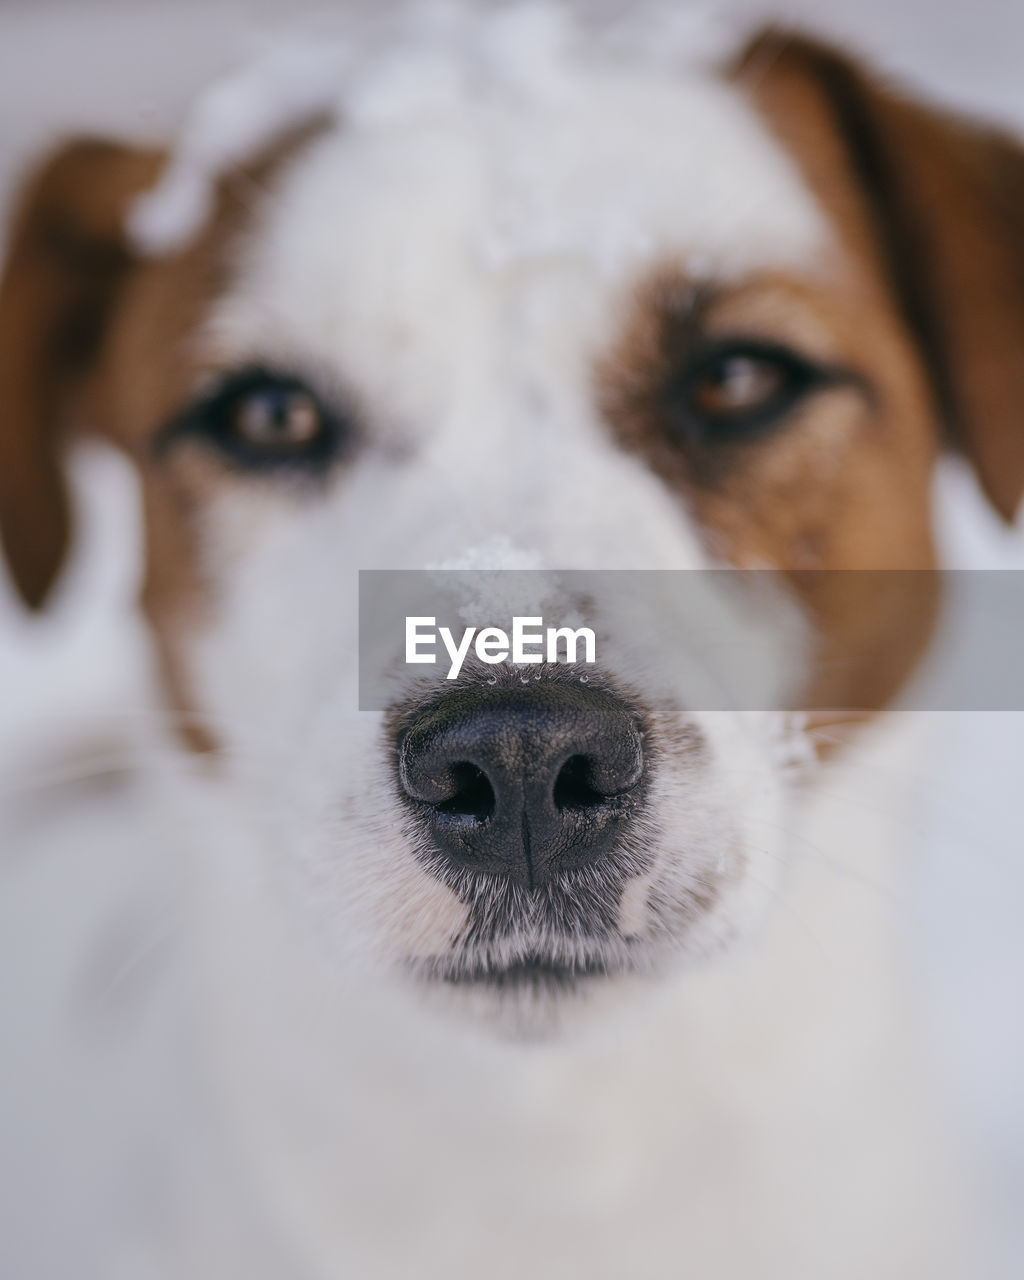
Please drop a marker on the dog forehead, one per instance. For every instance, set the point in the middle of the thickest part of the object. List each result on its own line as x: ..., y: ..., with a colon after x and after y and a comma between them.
x: 419, y: 235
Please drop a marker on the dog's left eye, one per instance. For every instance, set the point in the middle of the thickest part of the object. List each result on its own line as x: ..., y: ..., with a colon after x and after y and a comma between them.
x: 258, y: 419
x: 737, y: 390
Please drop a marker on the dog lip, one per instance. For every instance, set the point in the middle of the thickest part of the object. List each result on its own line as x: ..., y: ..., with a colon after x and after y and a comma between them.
x: 531, y: 971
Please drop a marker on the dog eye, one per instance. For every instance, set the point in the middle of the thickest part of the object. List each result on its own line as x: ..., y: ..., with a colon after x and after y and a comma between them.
x: 736, y: 391
x: 276, y: 419
x: 259, y: 419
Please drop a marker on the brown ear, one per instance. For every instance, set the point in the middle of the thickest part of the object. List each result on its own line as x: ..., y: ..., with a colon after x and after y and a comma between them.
x: 944, y: 199
x: 66, y: 262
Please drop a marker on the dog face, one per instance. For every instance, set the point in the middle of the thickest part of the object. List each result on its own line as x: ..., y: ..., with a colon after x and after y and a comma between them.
x: 605, y: 316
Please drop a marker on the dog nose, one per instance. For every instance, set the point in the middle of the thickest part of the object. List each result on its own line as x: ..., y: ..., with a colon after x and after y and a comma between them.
x: 524, y: 781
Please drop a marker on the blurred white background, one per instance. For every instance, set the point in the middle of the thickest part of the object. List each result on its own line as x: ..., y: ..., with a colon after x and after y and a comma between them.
x: 129, y: 67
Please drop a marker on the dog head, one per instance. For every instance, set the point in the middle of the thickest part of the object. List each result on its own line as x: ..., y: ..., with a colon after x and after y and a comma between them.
x: 570, y: 310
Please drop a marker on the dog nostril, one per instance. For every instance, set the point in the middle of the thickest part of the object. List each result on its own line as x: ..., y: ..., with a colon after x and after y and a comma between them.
x: 474, y: 795
x: 574, y: 787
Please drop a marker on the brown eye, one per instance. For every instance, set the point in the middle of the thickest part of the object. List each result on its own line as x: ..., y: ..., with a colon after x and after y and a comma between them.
x: 276, y: 418
x: 259, y: 420
x: 736, y: 390
x: 736, y: 385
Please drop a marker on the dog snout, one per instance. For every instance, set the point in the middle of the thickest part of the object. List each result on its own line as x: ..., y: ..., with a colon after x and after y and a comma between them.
x: 526, y: 781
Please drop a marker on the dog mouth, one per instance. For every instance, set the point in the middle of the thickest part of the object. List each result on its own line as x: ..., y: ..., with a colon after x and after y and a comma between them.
x: 534, y: 972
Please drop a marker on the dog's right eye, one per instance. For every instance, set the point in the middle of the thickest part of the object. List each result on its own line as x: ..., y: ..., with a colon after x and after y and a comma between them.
x: 276, y: 420
x: 261, y: 420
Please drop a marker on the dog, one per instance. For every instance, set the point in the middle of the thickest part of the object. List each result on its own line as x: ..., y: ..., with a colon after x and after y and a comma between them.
x: 515, y: 295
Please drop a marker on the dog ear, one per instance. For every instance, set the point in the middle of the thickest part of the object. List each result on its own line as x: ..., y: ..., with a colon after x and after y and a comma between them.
x: 66, y: 262
x: 944, y: 201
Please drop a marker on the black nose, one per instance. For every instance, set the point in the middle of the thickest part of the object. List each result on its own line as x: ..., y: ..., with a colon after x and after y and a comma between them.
x: 524, y: 781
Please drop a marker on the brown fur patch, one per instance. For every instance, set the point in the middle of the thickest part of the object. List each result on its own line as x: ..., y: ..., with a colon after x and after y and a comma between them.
x: 94, y: 336
x: 922, y: 300
x: 843, y: 484
x: 151, y: 366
